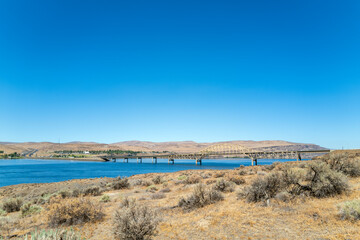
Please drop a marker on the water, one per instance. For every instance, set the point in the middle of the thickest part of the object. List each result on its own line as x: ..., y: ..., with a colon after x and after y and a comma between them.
x: 18, y: 171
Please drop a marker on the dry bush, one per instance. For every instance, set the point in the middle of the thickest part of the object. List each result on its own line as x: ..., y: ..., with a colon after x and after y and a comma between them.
x: 263, y: 188
x: 261, y: 173
x: 72, y: 211
x: 200, y: 197
x: 121, y: 183
x: 341, y: 162
x: 193, y: 179
x: 165, y: 190
x: 182, y: 177
x: 324, y: 181
x: 105, y: 198
x: 127, y: 202
x: 350, y: 210
x: 268, y: 167
x: 157, y: 180
x: 236, y: 179
x: 92, y: 191
x: 219, y: 174
x: 283, y: 196
x: 12, y: 205
x: 223, y: 186
x: 158, y: 196
x: 76, y: 193
x: 146, y: 183
x: 53, y: 234
x: 2, y: 212
x: 318, y: 180
x: 210, y: 181
x: 29, y: 209
x: 151, y: 188
x: 135, y: 222
x: 65, y: 193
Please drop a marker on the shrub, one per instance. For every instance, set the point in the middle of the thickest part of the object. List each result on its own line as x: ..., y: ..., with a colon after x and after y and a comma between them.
x: 152, y: 188
x: 223, y: 186
x: 57, y: 234
x: 242, y: 172
x: 105, y: 198
x: 12, y: 205
x: 146, y: 183
x: 65, y: 193
x: 283, y: 196
x: 200, y: 197
x: 127, y: 202
x: 236, y: 179
x: 29, y: 209
x: 263, y: 188
x: 2, y: 212
x: 193, y: 179
x: 157, y: 180
x: 158, y: 196
x: 342, y: 163
x: 121, y: 183
x: 219, y: 174
x: 350, y: 210
x: 76, y: 193
x: 92, y: 191
x: 73, y: 211
x: 325, y: 181
x: 135, y: 222
x: 182, y: 177
x: 165, y: 190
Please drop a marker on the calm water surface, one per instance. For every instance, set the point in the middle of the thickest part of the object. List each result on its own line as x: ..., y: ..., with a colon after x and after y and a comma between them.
x: 18, y: 171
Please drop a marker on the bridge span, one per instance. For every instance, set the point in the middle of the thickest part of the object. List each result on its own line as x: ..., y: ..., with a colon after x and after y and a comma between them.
x: 219, y: 151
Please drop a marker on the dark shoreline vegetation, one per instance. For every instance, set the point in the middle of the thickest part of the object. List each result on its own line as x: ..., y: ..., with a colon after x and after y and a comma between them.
x: 130, y: 205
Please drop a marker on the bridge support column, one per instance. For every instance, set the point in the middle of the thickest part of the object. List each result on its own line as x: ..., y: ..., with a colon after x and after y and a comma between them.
x: 198, y: 161
x: 126, y: 160
x: 298, y: 157
x: 170, y: 160
x: 253, y: 161
x: 139, y: 159
x: 154, y: 160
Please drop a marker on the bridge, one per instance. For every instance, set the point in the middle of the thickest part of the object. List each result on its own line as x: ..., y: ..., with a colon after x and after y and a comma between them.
x: 219, y: 151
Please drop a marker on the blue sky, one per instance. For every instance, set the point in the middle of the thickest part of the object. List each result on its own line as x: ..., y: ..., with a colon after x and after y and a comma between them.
x: 111, y: 71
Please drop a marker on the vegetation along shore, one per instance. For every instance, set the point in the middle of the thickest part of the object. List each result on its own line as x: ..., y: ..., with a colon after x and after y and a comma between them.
x: 317, y: 199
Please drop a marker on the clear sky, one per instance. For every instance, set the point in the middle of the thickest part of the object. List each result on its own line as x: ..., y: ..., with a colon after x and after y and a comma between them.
x: 111, y: 71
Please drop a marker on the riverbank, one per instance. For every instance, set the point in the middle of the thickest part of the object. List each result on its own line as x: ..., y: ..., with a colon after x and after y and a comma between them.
x: 69, y: 159
x: 284, y: 216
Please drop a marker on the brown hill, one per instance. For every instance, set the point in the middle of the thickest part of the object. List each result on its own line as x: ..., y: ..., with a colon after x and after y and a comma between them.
x: 44, y: 148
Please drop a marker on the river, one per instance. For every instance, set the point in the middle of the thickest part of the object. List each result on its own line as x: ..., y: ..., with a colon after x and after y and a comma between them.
x: 16, y: 171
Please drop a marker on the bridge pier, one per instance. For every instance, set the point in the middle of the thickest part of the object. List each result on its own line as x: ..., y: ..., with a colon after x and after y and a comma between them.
x: 126, y: 160
x: 139, y: 159
x: 253, y: 161
x: 198, y: 161
x: 170, y: 160
x: 154, y: 160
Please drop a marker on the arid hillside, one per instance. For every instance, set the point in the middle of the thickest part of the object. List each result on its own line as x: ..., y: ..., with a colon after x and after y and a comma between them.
x: 46, y: 148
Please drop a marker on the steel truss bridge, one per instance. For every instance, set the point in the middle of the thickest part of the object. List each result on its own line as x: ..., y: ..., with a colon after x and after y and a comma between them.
x: 219, y: 151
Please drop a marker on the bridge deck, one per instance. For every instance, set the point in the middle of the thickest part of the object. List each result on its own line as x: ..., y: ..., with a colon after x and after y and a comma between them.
x: 253, y: 155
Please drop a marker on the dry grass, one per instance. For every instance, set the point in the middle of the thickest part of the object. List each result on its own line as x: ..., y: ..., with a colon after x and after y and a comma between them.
x: 73, y: 211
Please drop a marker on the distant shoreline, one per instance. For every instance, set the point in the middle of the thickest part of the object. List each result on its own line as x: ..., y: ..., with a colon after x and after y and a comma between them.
x: 66, y: 159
